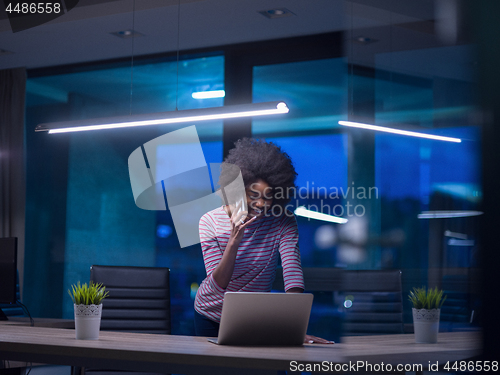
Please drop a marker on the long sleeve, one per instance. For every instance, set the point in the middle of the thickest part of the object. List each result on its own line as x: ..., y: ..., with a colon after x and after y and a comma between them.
x: 258, y: 256
x: 290, y: 254
x: 212, y: 254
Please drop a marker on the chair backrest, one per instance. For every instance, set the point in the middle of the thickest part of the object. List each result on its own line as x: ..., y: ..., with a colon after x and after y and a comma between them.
x: 316, y: 279
x: 371, y: 301
x: 139, y: 298
x: 459, y: 300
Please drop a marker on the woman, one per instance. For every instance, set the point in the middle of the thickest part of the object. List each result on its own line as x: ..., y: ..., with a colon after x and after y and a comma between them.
x: 241, y: 250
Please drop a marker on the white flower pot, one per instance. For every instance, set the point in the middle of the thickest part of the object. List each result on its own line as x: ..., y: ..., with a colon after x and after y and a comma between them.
x: 426, y: 325
x: 87, y: 321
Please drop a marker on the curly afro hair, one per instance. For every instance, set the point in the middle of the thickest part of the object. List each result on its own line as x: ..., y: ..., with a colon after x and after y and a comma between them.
x: 259, y: 159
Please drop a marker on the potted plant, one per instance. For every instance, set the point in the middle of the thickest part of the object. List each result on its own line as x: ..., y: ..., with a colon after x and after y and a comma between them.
x: 426, y: 309
x: 87, y: 302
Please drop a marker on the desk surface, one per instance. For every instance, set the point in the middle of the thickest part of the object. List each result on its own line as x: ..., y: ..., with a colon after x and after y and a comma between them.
x: 185, y: 354
x: 40, y: 322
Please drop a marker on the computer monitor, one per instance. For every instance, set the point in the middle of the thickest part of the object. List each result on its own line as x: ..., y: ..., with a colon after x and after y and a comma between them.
x: 8, y: 272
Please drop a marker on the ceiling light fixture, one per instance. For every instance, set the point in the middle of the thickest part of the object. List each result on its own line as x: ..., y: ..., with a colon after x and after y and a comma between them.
x: 127, y: 34
x: 447, y: 214
x: 398, y: 131
x: 458, y: 242
x: 449, y: 233
x: 304, y: 212
x: 276, y: 13
x: 208, y: 94
x: 364, y: 40
x: 172, y: 117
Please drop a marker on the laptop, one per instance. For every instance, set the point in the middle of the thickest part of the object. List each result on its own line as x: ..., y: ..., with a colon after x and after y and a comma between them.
x: 264, y: 319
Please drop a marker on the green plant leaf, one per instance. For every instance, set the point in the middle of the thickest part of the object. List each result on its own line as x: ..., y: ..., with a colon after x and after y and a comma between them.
x: 422, y: 298
x: 91, y: 294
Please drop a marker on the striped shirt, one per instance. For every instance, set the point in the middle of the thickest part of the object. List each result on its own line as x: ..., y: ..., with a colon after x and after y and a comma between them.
x: 264, y: 242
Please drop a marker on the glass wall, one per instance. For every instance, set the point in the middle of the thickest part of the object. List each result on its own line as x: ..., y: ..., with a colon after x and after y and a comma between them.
x: 430, y: 190
x: 81, y: 209
x: 394, y: 184
x: 391, y: 188
x: 315, y: 93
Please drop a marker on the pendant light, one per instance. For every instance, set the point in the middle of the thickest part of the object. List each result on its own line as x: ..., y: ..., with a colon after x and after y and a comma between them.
x: 398, y: 131
x: 170, y: 117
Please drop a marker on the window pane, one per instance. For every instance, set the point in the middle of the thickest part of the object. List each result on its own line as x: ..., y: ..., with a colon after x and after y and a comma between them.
x: 79, y: 184
x: 315, y: 92
x: 416, y: 176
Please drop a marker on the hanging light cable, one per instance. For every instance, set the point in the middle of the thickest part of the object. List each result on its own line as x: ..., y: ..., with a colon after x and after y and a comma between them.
x: 132, y: 58
x: 391, y: 105
x: 178, y: 53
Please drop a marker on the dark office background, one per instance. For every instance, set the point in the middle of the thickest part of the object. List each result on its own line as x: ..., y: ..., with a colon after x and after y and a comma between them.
x: 80, y: 208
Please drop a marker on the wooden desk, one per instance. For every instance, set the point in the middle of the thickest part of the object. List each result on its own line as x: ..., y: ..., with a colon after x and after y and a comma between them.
x: 186, y: 354
x: 18, y: 367
x: 40, y: 322
x: 402, y: 349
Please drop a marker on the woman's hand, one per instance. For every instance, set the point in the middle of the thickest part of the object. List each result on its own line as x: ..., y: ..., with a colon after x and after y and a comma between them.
x: 224, y: 270
x: 238, y: 224
x: 309, y: 339
x: 316, y: 340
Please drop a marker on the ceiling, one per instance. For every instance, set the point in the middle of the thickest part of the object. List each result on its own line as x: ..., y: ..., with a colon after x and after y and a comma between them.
x: 403, y: 35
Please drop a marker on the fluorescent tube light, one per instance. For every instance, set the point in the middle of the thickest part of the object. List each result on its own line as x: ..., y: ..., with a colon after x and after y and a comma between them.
x: 398, y: 131
x: 172, y: 117
x: 457, y: 242
x: 208, y: 94
x: 302, y: 211
x: 449, y: 233
x: 447, y: 214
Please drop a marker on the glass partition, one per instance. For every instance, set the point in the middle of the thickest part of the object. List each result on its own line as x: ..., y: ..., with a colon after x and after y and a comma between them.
x: 402, y: 203
x: 81, y: 209
x: 394, y: 184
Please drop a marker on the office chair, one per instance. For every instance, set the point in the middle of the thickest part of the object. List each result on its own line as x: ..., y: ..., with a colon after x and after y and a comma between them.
x: 371, y: 301
x: 138, y: 301
x: 350, y: 302
x: 321, y: 279
x: 326, y: 319
x: 363, y: 302
x: 139, y: 298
